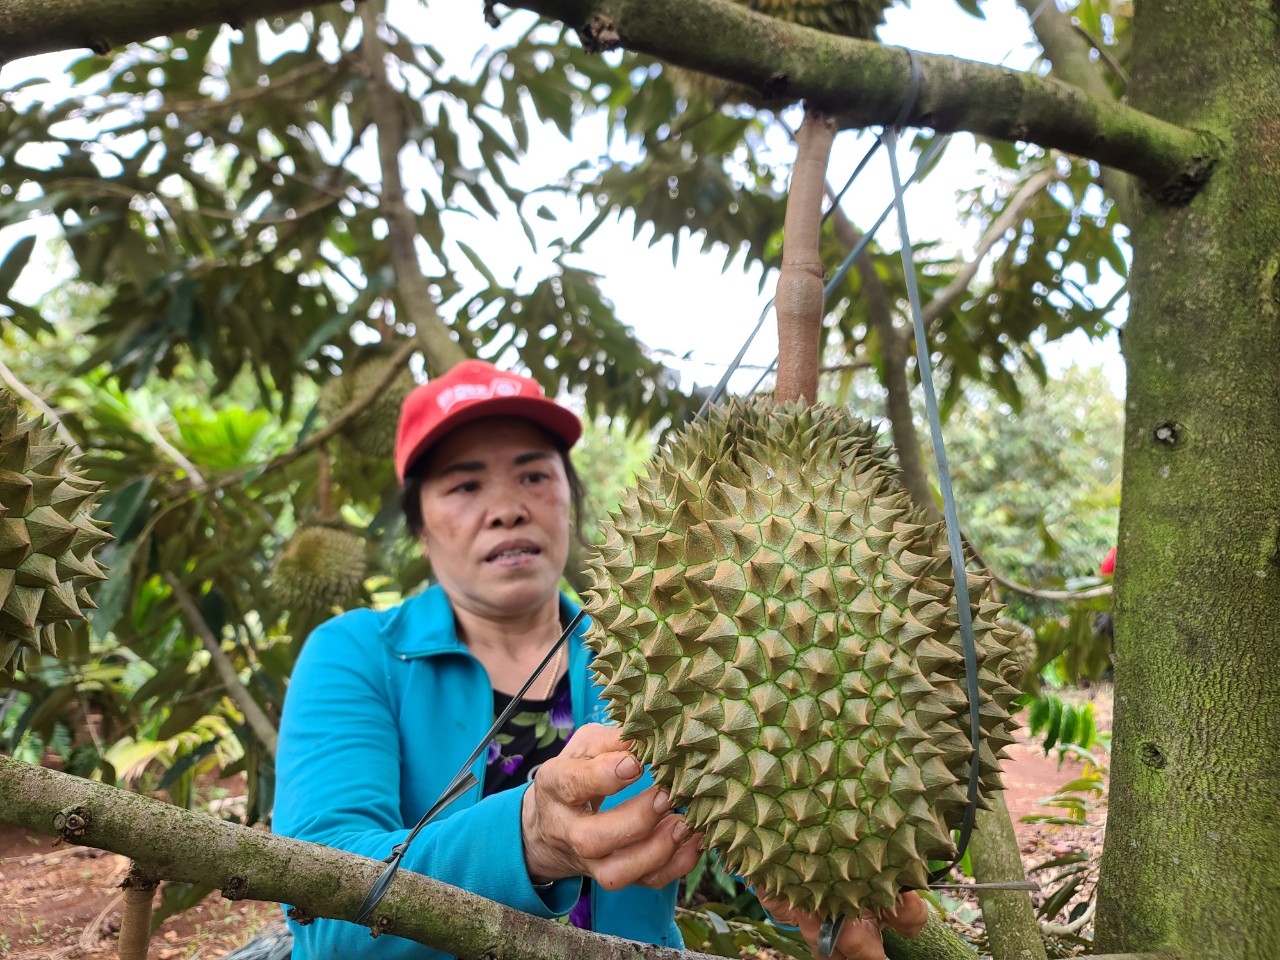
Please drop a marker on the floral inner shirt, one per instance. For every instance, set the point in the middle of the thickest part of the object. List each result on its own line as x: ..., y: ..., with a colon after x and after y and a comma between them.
x: 536, y: 732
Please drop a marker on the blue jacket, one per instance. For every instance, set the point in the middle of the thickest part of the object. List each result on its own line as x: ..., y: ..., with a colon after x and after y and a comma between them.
x: 383, y: 708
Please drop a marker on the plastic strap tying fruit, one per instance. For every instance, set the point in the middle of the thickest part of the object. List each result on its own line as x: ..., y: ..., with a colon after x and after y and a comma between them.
x: 460, y: 784
x: 960, y: 578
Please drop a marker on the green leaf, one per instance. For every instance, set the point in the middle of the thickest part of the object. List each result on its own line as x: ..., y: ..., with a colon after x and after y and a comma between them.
x: 176, y: 897
x: 15, y: 261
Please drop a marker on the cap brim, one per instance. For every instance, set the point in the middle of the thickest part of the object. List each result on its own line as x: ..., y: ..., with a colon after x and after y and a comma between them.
x: 561, y: 423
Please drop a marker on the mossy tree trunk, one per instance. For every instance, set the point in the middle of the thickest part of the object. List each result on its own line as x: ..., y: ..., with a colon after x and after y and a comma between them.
x: 1190, y: 857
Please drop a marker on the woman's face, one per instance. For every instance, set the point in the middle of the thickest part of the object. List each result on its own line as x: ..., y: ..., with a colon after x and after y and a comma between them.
x: 495, y: 511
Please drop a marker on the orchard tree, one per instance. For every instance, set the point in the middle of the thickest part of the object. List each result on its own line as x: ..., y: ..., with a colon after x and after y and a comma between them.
x: 1188, y: 159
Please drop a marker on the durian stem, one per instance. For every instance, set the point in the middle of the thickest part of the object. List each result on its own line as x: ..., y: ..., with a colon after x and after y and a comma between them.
x: 412, y: 293
x: 799, y: 297
x: 1011, y: 922
x: 135, y: 919
x: 254, y: 715
x: 936, y: 941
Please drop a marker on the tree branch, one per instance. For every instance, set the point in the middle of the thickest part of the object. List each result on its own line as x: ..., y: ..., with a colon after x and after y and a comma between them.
x: 1063, y: 596
x: 29, y: 27
x: 21, y: 389
x: 254, y: 715
x: 177, y: 844
x: 864, y: 83
x: 1069, y: 54
x: 1112, y: 63
x: 413, y: 296
x: 1009, y: 216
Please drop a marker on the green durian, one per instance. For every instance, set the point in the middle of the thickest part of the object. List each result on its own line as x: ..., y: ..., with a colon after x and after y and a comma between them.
x: 321, y: 567
x: 775, y: 631
x: 371, y: 432
x: 1022, y: 651
x: 47, y: 537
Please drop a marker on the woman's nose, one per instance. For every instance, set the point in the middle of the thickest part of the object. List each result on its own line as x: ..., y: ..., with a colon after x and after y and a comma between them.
x: 507, y: 511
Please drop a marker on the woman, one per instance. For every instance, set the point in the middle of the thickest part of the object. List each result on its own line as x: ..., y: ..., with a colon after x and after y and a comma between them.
x: 384, y: 707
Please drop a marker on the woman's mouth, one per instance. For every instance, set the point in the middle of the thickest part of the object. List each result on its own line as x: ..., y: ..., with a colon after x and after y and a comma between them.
x: 509, y: 553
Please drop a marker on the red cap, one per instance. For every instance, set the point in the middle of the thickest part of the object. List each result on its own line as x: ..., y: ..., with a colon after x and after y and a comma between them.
x: 1108, y: 563
x: 470, y: 391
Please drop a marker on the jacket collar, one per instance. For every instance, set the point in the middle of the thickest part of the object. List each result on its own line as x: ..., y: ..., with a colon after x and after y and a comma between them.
x: 424, y: 625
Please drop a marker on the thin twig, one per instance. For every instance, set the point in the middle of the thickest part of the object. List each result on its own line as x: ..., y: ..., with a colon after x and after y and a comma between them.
x: 254, y: 715
x: 1066, y: 929
x: 172, y: 452
x: 21, y: 389
x: 1104, y: 53
x: 1062, y: 596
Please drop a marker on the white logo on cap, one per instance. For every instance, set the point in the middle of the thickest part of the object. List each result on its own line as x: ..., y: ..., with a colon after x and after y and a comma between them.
x: 470, y: 392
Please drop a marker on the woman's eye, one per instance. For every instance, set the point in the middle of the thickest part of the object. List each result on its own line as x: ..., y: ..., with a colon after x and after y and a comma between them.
x: 534, y: 477
x: 467, y: 486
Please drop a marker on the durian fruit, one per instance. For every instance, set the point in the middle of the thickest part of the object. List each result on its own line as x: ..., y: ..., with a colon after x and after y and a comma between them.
x: 47, y: 538
x: 372, y: 431
x: 321, y: 567
x: 848, y: 18
x: 1022, y: 651
x: 775, y: 631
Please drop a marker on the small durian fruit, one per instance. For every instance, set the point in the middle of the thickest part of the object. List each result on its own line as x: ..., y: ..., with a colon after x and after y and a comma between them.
x: 1022, y: 651
x: 47, y: 537
x: 320, y: 568
x: 775, y: 630
x: 372, y: 432
x: 848, y: 18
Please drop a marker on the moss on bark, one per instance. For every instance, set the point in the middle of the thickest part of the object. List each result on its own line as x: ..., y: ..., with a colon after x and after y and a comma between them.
x: 1192, y: 830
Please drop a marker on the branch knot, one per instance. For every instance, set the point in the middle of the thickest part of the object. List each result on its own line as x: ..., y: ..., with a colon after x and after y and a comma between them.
x: 600, y: 35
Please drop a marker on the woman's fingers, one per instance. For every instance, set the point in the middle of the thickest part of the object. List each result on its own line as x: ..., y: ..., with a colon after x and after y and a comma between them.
x: 859, y: 938
x: 652, y: 855
x: 634, y: 819
x: 584, y: 781
x: 682, y: 861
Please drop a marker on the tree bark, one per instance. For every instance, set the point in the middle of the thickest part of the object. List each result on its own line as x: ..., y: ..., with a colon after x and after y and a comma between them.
x: 172, y: 843
x: 799, y: 301
x: 1192, y: 828
x: 862, y: 82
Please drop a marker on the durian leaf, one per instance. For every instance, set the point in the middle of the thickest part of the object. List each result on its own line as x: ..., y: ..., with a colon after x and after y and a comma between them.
x: 1059, y: 898
x: 1064, y: 860
x: 177, y: 897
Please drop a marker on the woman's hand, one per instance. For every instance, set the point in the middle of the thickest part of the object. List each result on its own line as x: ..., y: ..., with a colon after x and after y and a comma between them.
x: 859, y: 938
x: 567, y: 835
